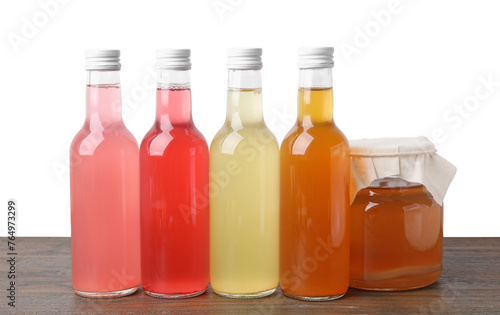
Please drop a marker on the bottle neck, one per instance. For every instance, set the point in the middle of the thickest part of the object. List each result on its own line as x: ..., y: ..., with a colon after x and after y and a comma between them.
x: 244, y: 98
x: 315, y: 97
x: 173, y: 98
x: 104, y: 103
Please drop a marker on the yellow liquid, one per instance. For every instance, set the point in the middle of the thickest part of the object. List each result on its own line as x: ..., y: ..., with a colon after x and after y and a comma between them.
x: 244, y: 201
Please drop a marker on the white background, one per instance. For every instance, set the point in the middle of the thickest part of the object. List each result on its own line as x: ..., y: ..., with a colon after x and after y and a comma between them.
x: 402, y: 68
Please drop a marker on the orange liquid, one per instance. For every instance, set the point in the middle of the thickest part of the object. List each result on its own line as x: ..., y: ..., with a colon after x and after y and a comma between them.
x: 396, y: 237
x: 314, y: 236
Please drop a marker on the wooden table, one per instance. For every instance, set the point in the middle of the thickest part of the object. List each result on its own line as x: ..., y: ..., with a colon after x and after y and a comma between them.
x: 470, y: 284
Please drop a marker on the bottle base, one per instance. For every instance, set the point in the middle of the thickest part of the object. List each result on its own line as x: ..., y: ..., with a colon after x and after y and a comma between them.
x: 256, y: 295
x: 175, y: 296
x: 106, y: 295
x: 314, y: 298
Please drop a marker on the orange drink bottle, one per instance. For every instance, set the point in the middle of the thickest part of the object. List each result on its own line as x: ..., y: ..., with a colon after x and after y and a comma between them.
x: 314, y: 156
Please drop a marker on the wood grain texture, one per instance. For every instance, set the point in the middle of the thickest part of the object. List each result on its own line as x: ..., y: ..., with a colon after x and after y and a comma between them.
x: 470, y: 284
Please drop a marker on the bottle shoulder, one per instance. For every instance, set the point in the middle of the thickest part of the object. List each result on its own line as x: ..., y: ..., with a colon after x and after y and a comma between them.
x: 228, y: 139
x: 159, y: 140
x: 182, y: 131
x: 321, y: 135
x: 261, y: 131
x: 87, y: 141
x: 246, y: 130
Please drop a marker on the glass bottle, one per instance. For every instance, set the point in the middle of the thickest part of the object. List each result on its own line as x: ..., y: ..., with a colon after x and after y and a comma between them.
x: 244, y: 188
x: 314, y: 248
x: 104, y: 175
x: 174, y: 188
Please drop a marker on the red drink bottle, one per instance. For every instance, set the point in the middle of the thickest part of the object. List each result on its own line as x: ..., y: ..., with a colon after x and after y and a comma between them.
x: 174, y: 189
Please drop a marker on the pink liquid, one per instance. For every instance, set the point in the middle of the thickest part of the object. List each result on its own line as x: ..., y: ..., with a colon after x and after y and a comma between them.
x: 104, y: 198
x: 174, y: 201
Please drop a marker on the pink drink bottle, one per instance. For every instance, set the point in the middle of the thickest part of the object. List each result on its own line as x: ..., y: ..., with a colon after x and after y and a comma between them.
x: 104, y: 175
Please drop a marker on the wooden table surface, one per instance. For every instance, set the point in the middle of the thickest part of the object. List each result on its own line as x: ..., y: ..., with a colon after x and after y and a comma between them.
x: 470, y: 284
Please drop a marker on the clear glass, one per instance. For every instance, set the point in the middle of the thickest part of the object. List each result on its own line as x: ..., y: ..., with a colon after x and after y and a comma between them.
x: 104, y: 176
x: 174, y: 196
x: 396, y: 236
x: 314, y: 248
x: 244, y: 195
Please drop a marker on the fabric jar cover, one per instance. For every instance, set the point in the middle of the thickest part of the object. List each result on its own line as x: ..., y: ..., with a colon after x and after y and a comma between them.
x: 412, y: 159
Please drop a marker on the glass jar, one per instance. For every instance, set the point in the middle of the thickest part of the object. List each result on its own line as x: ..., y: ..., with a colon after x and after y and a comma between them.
x: 396, y: 230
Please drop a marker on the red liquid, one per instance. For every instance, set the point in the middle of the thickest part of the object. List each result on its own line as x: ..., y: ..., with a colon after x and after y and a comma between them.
x: 174, y: 201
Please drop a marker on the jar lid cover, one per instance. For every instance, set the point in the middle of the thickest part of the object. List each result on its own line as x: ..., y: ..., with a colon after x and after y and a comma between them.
x: 412, y: 159
x: 391, y: 147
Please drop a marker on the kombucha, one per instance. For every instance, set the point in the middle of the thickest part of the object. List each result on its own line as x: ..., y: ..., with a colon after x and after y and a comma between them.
x: 314, y: 238
x: 174, y: 188
x: 244, y: 195
x: 104, y: 175
x: 174, y: 202
x: 396, y: 236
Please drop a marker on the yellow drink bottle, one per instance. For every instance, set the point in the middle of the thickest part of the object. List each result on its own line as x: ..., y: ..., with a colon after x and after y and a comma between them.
x: 244, y: 189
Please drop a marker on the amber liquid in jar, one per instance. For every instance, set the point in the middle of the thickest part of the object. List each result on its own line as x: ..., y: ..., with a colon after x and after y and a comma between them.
x: 396, y: 236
